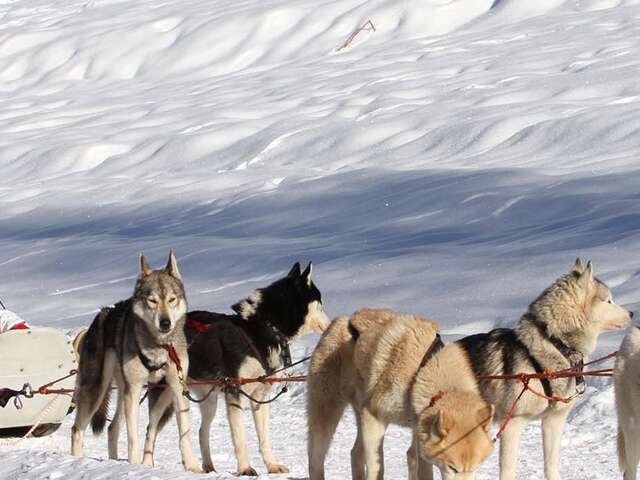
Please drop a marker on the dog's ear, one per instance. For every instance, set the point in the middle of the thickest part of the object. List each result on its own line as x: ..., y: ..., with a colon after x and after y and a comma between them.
x: 172, y: 266
x: 586, y: 277
x: 295, y: 270
x: 442, y: 424
x: 578, y: 266
x: 485, y: 417
x: 145, y: 269
x: 306, y: 275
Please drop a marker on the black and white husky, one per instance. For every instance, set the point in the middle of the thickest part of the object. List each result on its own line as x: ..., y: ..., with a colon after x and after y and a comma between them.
x: 251, y: 343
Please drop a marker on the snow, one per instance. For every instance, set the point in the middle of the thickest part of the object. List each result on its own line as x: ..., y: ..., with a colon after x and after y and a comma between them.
x: 453, y: 163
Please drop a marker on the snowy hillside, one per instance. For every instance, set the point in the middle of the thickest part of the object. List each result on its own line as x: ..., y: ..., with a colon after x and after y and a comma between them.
x: 453, y: 163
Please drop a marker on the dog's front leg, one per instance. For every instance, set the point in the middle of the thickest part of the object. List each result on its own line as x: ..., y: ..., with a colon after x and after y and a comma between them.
x: 235, y: 413
x: 131, y: 410
x: 552, y: 428
x: 261, y: 420
x: 509, y: 444
x: 412, y: 458
x: 419, y: 469
x: 184, y: 422
x: 157, y: 406
x: 373, y: 431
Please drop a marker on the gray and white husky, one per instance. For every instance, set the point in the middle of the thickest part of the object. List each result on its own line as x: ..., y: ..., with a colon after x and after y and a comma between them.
x: 130, y: 343
x: 558, y: 331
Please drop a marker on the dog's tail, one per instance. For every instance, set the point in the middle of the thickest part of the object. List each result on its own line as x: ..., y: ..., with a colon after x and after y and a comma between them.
x: 153, y: 396
x: 622, y: 455
x: 91, y: 370
x: 99, y: 419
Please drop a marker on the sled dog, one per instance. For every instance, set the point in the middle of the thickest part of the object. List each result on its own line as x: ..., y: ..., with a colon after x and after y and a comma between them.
x: 393, y: 369
x: 626, y: 377
x: 251, y: 343
x: 130, y: 343
x: 558, y: 331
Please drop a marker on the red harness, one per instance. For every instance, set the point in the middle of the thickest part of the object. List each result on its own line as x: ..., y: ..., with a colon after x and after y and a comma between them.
x: 202, y: 327
x: 173, y: 355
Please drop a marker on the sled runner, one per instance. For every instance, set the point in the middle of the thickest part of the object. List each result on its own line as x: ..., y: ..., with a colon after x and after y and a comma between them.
x: 34, y: 358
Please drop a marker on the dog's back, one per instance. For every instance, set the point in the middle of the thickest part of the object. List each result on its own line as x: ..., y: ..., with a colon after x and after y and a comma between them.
x: 218, y: 345
x: 387, y: 356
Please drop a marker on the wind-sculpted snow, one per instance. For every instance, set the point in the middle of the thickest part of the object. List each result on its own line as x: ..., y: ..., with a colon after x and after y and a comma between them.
x: 453, y: 162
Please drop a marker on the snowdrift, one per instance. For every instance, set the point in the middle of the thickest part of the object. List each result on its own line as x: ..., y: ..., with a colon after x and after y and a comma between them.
x: 451, y: 163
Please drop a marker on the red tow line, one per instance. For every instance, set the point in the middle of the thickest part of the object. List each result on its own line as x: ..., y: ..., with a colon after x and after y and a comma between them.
x: 525, y: 379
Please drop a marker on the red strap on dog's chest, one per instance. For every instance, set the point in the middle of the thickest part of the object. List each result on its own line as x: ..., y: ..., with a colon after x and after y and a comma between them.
x: 436, y: 398
x: 173, y: 355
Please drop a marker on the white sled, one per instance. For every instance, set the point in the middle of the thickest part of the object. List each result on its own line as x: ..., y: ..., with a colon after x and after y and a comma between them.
x: 36, y: 357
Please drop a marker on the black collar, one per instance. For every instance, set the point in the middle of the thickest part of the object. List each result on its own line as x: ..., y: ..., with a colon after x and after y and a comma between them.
x: 573, y: 356
x: 148, y: 364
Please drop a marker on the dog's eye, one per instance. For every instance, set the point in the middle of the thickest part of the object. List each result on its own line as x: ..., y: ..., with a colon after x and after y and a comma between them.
x: 453, y: 469
x: 152, y: 301
x: 173, y: 300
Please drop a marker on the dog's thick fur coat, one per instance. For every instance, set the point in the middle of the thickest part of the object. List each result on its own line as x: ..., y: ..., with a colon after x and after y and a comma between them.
x: 558, y: 332
x: 126, y: 344
x: 627, y: 387
x: 373, y: 361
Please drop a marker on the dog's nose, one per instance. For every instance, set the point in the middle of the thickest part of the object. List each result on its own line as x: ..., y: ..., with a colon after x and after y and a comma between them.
x: 630, y: 314
x: 165, y: 324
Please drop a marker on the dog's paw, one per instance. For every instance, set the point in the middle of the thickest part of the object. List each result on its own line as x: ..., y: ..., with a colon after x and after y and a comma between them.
x: 193, y: 468
x: 208, y: 467
x: 147, y: 460
x: 275, y: 468
x: 247, y: 472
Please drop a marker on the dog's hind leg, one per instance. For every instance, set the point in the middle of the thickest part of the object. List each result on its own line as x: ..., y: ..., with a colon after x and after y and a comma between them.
x: 235, y: 413
x: 115, y: 426
x: 373, y: 431
x: 323, y: 415
x: 552, y: 428
x: 208, y: 409
x: 261, y: 420
x: 156, y: 411
x: 509, y: 444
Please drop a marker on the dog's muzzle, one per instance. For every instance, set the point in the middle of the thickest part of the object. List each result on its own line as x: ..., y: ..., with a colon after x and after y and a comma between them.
x: 165, y: 325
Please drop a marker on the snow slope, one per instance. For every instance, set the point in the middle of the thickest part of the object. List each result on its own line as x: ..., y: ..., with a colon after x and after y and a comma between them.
x: 452, y: 162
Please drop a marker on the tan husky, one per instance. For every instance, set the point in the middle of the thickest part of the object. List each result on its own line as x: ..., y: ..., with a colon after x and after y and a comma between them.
x: 393, y: 369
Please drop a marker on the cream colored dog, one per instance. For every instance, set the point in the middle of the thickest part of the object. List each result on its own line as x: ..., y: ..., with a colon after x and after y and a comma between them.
x: 387, y: 367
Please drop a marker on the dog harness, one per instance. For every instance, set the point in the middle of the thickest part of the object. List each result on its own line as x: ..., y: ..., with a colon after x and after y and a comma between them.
x: 148, y: 364
x: 574, y: 357
x: 285, y: 352
x: 434, y: 348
